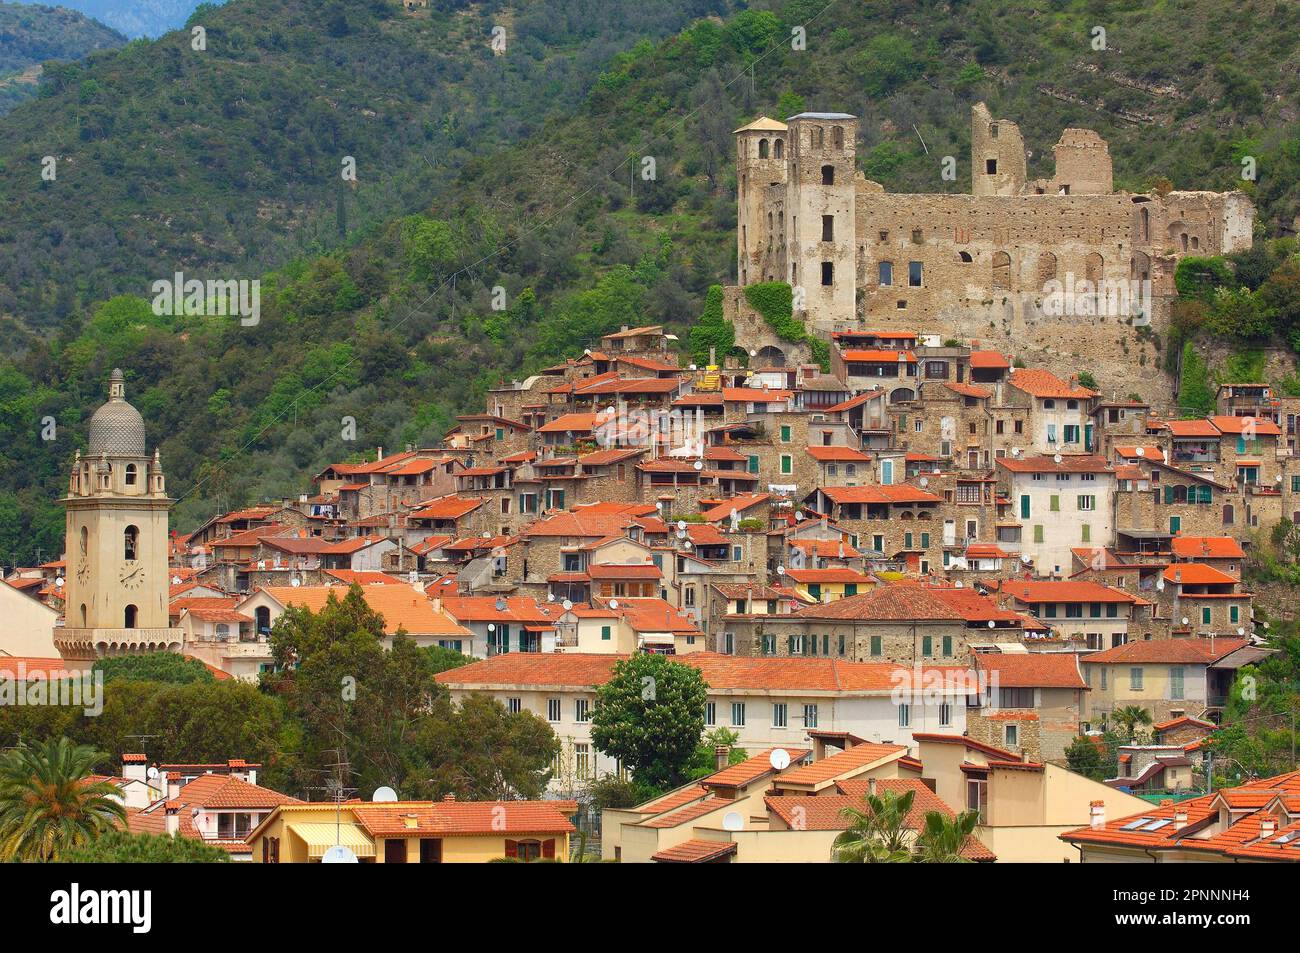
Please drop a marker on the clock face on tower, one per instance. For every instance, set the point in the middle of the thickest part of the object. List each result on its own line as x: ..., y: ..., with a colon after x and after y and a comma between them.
x: 131, y: 575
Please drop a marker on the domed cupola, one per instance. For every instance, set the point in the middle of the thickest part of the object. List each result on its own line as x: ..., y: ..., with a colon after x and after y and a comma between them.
x: 116, y: 429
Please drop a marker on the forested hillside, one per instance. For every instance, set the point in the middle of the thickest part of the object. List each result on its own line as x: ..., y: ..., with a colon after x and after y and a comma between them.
x: 30, y: 35
x: 395, y: 327
x: 230, y: 157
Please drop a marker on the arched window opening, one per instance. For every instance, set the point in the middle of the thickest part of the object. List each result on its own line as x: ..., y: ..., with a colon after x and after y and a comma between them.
x: 778, y: 149
x: 130, y: 474
x: 763, y: 148
x: 129, y: 617
x: 130, y: 542
x: 1001, y: 271
x: 828, y: 175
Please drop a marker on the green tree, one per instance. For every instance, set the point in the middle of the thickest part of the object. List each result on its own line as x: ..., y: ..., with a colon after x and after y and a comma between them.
x: 1083, y: 757
x: 1131, y: 718
x: 123, y: 847
x: 49, y: 805
x: 480, y: 751
x: 878, y: 833
x: 943, y: 838
x: 154, y: 667
x: 1195, y: 397
x: 649, y: 716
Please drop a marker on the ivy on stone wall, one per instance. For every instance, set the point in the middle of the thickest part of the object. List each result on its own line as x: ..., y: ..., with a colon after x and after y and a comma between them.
x: 774, y: 300
x: 712, y: 330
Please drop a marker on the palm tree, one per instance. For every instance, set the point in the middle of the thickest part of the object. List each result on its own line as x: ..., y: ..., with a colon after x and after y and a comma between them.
x: 1129, y: 718
x: 879, y: 834
x: 48, y: 804
x: 942, y: 839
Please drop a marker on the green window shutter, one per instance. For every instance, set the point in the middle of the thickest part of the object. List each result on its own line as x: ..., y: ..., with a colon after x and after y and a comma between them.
x: 907, y: 540
x: 947, y: 646
x: 604, y: 633
x: 1024, y: 506
x: 1038, y: 534
x: 753, y: 463
x: 815, y: 590
x: 875, y: 645
x: 1087, y: 533
x: 789, y: 645
x: 925, y: 540
x: 1205, y: 616
x: 1169, y: 494
x: 787, y: 463
x: 927, y: 645
x: 1234, y: 614
x: 1055, y: 506
x: 851, y: 589
x: 785, y: 433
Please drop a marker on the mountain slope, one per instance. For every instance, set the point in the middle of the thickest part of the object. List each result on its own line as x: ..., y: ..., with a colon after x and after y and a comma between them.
x: 29, y: 35
x: 230, y: 159
x: 378, y: 332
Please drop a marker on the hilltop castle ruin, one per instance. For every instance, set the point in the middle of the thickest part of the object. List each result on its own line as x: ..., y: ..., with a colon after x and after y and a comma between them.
x: 982, y: 265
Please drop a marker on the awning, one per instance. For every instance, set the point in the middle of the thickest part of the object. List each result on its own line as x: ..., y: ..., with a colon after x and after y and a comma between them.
x: 657, y: 638
x: 320, y: 836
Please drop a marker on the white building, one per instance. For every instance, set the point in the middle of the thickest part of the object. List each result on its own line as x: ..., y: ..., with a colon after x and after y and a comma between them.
x: 1062, y: 503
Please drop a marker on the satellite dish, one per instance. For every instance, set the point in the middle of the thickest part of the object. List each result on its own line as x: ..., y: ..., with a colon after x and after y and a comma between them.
x: 681, y: 534
x: 1141, y: 451
x: 1057, y: 458
x: 487, y: 535
x: 958, y: 584
x: 152, y: 773
x: 295, y: 582
x: 681, y: 525
x: 694, y: 368
x: 1241, y: 631
x: 1184, y: 620
x: 613, y: 603
x: 1015, y: 451
x: 686, y: 545
x: 383, y: 795
x: 550, y: 597
x: 753, y: 353
x: 1025, y: 558
x: 501, y: 604
x: 1160, y: 584
x: 733, y: 821
x: 491, y: 627
x: 779, y: 759
x: 925, y: 481
x: 59, y: 582
x: 566, y: 605
x: 780, y: 570
x: 339, y: 855
x: 176, y: 580
x: 659, y: 506
x: 699, y: 464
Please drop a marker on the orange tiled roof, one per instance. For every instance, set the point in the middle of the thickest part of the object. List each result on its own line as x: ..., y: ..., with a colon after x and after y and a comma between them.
x: 895, y: 493
x: 838, y: 454
x: 1032, y: 669
x: 1197, y: 574
x: 695, y: 852
x: 1167, y: 651
x: 852, y: 760
x: 1207, y: 547
x: 1042, y: 384
x: 464, y: 818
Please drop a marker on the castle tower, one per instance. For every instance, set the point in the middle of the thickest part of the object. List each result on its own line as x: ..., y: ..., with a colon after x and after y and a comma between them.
x: 997, y: 154
x: 117, y: 586
x: 1083, y: 164
x: 760, y: 206
x: 820, y: 201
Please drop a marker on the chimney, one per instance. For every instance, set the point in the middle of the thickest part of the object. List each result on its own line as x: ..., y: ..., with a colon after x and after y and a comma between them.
x: 449, y: 797
x: 379, y: 454
x: 172, y: 818
x: 721, y: 755
x: 871, y: 786
x: 1097, y: 815
x: 1180, y: 818
x: 1267, y: 827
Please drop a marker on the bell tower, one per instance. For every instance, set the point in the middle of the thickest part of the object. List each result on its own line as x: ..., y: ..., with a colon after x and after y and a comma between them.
x: 116, y: 593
